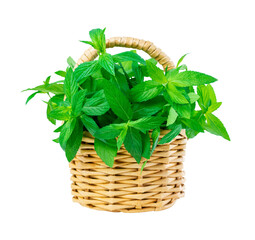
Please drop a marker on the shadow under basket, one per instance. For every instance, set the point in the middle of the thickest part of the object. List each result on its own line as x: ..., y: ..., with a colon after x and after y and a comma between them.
x: 124, y: 188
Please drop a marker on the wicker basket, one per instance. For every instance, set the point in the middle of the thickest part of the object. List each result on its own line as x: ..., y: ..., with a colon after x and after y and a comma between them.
x: 124, y: 188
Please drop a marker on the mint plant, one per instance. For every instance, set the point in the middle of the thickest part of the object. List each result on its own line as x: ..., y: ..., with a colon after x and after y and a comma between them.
x: 110, y: 98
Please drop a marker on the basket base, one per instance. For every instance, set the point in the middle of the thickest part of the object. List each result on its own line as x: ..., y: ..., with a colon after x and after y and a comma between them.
x: 112, y: 208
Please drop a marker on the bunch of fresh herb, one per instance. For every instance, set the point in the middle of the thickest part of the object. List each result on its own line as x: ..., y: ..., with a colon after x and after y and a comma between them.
x: 110, y: 98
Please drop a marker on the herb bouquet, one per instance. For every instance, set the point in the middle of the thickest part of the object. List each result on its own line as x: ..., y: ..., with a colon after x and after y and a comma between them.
x: 124, y: 123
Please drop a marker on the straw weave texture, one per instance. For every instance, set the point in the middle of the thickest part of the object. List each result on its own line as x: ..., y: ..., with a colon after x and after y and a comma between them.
x: 124, y: 188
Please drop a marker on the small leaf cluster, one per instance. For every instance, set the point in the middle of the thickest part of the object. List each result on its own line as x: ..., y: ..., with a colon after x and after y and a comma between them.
x: 123, y: 99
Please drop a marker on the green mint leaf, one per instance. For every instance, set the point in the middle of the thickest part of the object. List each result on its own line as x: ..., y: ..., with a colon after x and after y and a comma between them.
x: 117, y: 101
x: 106, y: 119
x: 184, y: 110
x: 175, y: 95
x: 155, y: 73
x: 98, y: 39
x: 193, y: 124
x: 89, y: 124
x: 126, y: 69
x: 144, y: 68
x: 96, y: 105
x: 214, y: 107
x: 122, y: 137
x: 170, y: 74
x: 146, y: 141
x: 86, y: 69
x: 211, y: 93
x: 78, y: 101
x: 66, y: 132
x: 199, y: 117
x: 110, y: 131
x: 191, y: 78
x: 148, y: 108
x: 133, y: 143
x: 106, y: 150
x: 215, y: 126
x: 145, y: 91
x: 31, y: 96
x: 49, y: 109
x: 74, y: 141
x: 56, y: 140
x: 193, y: 97
x: 52, y: 104
x: 88, y: 42
x: 204, y: 101
x: 70, y: 85
x: 152, y: 60
x: 147, y: 123
x: 71, y: 62
x: 128, y: 56
x: 54, y: 88
x: 172, y: 116
x: 181, y: 59
x: 106, y: 62
x: 120, y: 81
x: 57, y: 130
x: 61, y: 113
x: 171, y: 135
x: 57, y: 100
x: 155, y: 137
x: 61, y: 73
x: 139, y: 77
x: 47, y: 81
x: 190, y: 133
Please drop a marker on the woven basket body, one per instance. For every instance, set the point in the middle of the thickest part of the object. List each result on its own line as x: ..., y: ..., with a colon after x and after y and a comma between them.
x: 124, y: 188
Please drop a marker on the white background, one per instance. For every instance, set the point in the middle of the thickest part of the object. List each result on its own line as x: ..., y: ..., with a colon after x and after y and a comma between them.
x: 38, y: 36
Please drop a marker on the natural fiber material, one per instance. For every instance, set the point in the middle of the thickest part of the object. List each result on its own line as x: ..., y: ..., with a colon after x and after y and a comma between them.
x: 124, y: 188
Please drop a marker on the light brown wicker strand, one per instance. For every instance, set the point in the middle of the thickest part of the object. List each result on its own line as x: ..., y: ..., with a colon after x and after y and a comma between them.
x: 124, y: 188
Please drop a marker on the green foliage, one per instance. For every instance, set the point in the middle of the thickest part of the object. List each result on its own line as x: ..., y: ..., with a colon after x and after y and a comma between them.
x: 123, y: 99
x: 171, y: 135
x: 106, y: 62
x: 118, y: 102
x: 133, y: 143
x: 148, y: 108
x: 97, y: 39
x: 85, y: 70
x: 172, y: 116
x: 191, y: 78
x: 106, y: 150
x: 71, y: 63
x: 147, y: 123
x: 145, y: 91
x: 180, y: 60
x: 74, y: 141
x: 215, y: 126
x: 110, y: 131
x: 155, y: 73
x: 96, y: 105
x: 128, y: 56
x: 122, y: 136
x: 146, y: 145
x: 70, y: 85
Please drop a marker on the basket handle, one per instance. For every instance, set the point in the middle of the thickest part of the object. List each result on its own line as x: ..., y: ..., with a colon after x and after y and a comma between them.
x: 90, y: 54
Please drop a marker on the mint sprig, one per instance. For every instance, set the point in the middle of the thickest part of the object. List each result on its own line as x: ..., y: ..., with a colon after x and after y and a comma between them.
x: 113, y: 99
